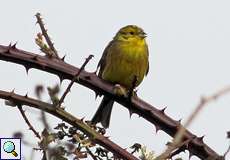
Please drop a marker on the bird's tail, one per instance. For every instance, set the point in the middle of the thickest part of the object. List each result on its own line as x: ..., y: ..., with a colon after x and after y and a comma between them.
x: 103, y: 113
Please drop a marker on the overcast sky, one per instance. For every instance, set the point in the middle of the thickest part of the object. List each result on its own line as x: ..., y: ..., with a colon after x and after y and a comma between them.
x: 189, y: 44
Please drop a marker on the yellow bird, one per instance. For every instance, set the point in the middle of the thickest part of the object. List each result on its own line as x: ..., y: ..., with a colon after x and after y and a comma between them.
x: 125, y: 57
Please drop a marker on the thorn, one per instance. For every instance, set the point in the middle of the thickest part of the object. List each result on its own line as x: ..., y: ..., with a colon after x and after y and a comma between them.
x: 63, y: 58
x: 130, y: 113
x: 60, y: 78
x: 179, y: 121
x: 12, y: 92
x: 96, y: 95
x: 8, y: 48
x: 26, y: 95
x: 157, y: 128
x: 82, y: 119
x: 27, y: 69
x: 10, y: 45
x: 201, y: 138
x: 163, y: 110
x: 14, y: 45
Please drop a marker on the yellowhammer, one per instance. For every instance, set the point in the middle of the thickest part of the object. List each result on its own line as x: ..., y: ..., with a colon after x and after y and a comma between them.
x: 125, y: 57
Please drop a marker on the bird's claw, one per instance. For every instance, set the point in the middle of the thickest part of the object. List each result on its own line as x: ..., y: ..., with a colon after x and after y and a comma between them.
x: 120, y: 90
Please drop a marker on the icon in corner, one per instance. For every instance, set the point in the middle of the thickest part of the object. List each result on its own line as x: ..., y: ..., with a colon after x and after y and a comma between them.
x: 10, y: 148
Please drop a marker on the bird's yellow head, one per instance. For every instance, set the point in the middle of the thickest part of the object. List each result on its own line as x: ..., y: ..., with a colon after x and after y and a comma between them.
x: 130, y: 33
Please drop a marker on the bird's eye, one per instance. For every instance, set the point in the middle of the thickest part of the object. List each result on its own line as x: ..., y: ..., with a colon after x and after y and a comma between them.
x: 132, y: 33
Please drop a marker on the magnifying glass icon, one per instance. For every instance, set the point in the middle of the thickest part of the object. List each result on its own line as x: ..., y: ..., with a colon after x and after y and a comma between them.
x: 9, y: 147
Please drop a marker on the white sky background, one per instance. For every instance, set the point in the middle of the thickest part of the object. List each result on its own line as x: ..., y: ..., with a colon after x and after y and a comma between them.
x: 189, y: 43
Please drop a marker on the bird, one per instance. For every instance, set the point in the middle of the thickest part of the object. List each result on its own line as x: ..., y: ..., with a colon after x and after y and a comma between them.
x: 124, y: 58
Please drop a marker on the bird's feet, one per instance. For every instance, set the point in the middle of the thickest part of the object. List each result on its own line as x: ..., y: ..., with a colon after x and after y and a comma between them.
x: 120, y: 90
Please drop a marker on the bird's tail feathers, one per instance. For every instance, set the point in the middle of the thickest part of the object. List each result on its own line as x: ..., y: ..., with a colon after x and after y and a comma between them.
x: 103, y: 113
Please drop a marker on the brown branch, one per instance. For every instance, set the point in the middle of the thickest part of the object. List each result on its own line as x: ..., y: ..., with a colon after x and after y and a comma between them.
x: 45, y: 34
x: 67, y: 117
x: 66, y: 71
x: 44, y: 120
x: 28, y: 122
x: 178, y: 139
x: 75, y: 78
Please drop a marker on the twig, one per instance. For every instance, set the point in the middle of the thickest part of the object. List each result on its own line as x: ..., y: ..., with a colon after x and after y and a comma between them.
x: 28, y: 122
x: 44, y: 120
x: 180, y: 134
x: 228, y: 150
x: 38, y: 92
x: 45, y: 34
x: 90, y: 153
x: 73, y: 80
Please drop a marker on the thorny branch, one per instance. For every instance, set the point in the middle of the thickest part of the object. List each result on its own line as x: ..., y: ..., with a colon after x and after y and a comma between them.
x: 66, y: 71
x: 75, y: 78
x: 179, y: 135
x: 67, y: 117
x: 45, y: 34
x: 28, y: 122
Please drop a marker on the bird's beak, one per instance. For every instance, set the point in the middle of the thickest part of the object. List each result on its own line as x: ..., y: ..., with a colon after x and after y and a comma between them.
x: 143, y: 35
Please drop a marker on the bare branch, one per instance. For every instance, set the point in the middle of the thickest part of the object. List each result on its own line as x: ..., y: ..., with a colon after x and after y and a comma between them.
x: 45, y: 34
x: 28, y: 122
x: 75, y: 78
x: 180, y: 134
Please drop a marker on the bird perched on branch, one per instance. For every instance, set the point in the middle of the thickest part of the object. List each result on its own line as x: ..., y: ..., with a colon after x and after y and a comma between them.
x: 125, y: 57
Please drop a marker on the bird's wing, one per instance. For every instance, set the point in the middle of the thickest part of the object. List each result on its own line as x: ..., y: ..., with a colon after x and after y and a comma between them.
x: 102, y: 63
x: 147, y: 71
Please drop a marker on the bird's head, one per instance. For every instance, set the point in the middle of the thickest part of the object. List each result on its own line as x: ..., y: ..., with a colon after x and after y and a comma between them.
x: 130, y: 33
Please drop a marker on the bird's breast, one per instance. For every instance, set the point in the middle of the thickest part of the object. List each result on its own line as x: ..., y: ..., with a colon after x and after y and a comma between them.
x: 124, y: 62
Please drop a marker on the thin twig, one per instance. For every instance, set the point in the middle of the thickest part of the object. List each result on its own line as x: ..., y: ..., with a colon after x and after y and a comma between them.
x: 73, y: 80
x: 179, y: 135
x: 90, y: 153
x: 45, y: 34
x: 28, y: 122
x: 44, y: 120
x: 228, y: 150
